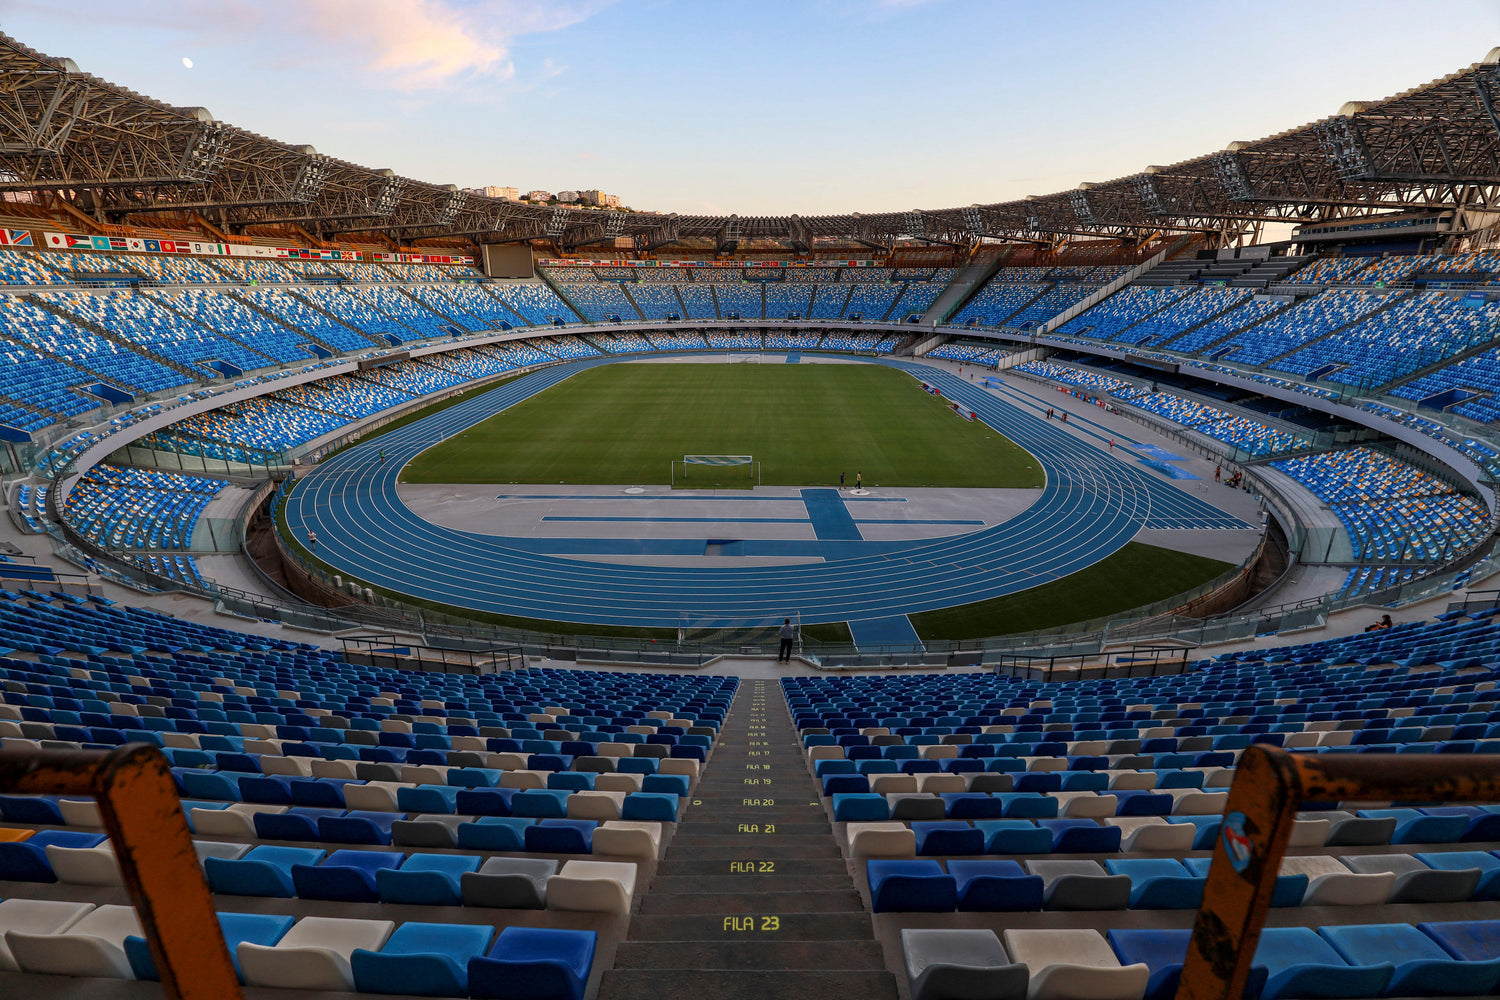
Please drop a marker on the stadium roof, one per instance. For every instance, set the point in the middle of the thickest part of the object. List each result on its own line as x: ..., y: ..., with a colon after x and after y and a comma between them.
x: 115, y: 153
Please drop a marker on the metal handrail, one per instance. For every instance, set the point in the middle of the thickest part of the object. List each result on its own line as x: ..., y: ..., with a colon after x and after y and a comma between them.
x: 145, y: 822
x: 1270, y: 785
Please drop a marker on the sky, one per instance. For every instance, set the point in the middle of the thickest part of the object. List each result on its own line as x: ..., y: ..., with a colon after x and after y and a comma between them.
x: 770, y: 107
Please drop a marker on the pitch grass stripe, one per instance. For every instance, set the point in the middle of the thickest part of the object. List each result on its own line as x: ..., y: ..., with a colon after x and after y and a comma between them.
x: 371, y: 533
x: 630, y: 423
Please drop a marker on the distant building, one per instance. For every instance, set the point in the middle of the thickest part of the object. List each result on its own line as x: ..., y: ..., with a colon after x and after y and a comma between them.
x: 538, y: 196
x: 599, y: 198
x: 494, y: 191
x: 567, y: 197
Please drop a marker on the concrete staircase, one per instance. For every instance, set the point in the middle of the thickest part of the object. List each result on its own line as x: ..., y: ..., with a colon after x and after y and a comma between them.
x: 961, y: 289
x: 753, y: 899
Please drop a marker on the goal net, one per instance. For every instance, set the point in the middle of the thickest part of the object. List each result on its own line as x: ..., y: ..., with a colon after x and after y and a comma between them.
x: 715, y: 472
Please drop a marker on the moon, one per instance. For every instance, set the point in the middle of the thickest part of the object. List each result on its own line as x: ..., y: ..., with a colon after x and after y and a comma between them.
x: 187, y: 63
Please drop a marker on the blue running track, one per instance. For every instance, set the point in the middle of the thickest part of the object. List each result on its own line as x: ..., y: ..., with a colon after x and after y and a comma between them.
x: 1092, y: 505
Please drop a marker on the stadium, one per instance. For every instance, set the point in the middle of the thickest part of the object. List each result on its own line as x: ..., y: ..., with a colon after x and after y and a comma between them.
x: 410, y: 591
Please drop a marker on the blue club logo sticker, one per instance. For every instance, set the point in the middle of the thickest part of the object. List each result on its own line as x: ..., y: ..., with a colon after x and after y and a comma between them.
x: 1237, y: 844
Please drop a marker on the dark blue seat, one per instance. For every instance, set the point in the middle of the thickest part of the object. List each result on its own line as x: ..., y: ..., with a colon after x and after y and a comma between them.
x: 420, y: 958
x: 561, y: 836
x: 426, y: 880
x: 911, y: 886
x: 946, y: 837
x: 265, y: 870
x: 297, y: 823
x: 1159, y: 883
x: 995, y: 886
x: 540, y: 803
x: 845, y: 784
x: 860, y: 808
x: 534, y: 963
x: 972, y: 805
x: 1081, y: 836
x: 358, y: 826
x: 1299, y: 963
x: 1014, y: 836
x: 1163, y: 952
x: 345, y: 876
x: 1423, y: 966
x: 495, y: 833
x: 484, y: 801
x: 26, y: 860
x: 257, y: 928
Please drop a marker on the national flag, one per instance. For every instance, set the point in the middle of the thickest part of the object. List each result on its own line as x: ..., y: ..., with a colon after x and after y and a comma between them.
x: 19, y: 237
x: 151, y: 246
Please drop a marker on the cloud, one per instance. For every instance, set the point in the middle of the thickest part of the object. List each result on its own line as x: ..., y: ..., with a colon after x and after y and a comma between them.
x: 406, y: 45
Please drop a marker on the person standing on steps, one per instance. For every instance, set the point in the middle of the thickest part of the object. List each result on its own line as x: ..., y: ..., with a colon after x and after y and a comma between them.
x: 788, y: 635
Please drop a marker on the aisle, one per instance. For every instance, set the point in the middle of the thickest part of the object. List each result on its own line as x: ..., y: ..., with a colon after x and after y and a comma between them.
x: 753, y: 899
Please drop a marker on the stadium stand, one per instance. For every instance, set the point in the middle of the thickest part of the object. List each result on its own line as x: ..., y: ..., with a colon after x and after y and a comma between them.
x: 742, y: 299
x: 996, y: 302
x: 234, y: 319
x: 828, y: 300
x: 161, y: 331
x: 600, y: 301
x: 535, y: 303
x: 296, y: 312
x: 1308, y: 320
x: 655, y: 300
x: 1391, y: 510
x: 138, y: 508
x: 1121, y: 311
x: 787, y: 300
x: 980, y: 354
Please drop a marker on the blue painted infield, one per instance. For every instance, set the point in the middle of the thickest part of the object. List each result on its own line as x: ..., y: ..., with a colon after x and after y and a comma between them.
x: 896, y: 630
x: 1160, y: 454
x: 831, y: 520
x: 1171, y: 471
x: 752, y: 520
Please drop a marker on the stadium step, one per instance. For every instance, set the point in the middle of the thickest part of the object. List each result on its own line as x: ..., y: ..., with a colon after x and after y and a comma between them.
x: 753, y: 898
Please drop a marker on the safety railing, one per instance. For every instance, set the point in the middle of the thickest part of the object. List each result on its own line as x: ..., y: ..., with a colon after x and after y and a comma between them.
x: 143, y: 817
x: 1270, y: 785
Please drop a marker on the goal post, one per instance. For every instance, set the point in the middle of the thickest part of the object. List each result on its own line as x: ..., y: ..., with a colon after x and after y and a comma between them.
x: 707, y: 471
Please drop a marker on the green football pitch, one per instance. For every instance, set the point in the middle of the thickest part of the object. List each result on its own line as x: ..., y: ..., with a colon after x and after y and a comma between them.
x: 804, y: 424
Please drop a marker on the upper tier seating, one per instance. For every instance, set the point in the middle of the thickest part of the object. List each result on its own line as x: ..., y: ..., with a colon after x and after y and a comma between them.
x: 1395, y: 342
x: 742, y: 299
x: 290, y: 309
x: 997, y: 302
x: 870, y: 301
x: 784, y: 300
x: 397, y: 304
x: 534, y: 302
x: 1125, y: 308
x: 162, y: 331
x: 1182, y: 315
x: 32, y: 326
x: 656, y: 301
x: 231, y: 317
x: 698, y: 300
x: 1307, y: 320
x: 600, y: 301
